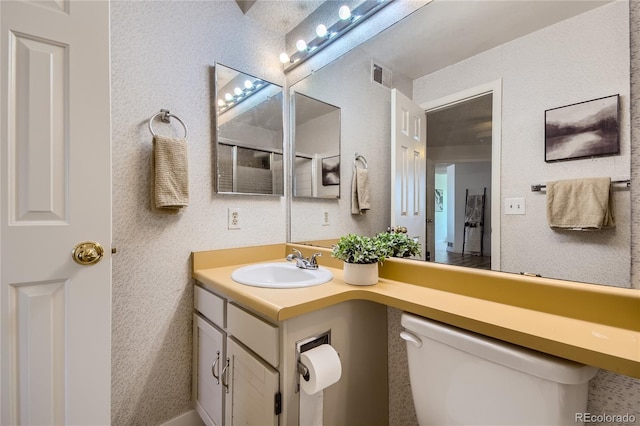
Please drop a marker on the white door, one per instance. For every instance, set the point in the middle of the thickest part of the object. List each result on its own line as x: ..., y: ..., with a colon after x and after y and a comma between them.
x: 55, y: 192
x: 408, y: 167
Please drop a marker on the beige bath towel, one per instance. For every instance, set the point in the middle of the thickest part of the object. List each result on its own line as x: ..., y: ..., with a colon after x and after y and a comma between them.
x: 171, y: 181
x: 580, y: 204
x: 360, y: 191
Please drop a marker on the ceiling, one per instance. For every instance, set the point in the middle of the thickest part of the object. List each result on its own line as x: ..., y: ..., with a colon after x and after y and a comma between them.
x: 445, y: 32
x: 479, y: 25
x: 426, y: 41
x: 280, y: 16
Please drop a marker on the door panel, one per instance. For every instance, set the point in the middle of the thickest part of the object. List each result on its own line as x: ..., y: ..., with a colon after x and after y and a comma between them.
x: 208, y: 366
x: 408, y: 167
x: 252, y: 389
x: 55, y: 192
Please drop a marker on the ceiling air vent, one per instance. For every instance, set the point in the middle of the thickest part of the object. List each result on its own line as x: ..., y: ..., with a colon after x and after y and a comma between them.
x: 380, y: 75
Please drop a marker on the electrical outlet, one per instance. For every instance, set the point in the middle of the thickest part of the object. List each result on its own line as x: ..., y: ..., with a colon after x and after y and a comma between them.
x: 234, y: 219
x: 325, y: 218
x: 514, y: 206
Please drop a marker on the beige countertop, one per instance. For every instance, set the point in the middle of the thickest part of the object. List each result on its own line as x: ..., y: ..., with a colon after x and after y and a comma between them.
x: 595, y: 325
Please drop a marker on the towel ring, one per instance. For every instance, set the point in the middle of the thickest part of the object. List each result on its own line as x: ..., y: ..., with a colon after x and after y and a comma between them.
x: 361, y: 159
x: 165, y: 117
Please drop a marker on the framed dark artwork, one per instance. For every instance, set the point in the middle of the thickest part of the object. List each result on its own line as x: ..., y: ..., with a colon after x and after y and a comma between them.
x: 331, y: 171
x: 439, y: 200
x: 583, y: 130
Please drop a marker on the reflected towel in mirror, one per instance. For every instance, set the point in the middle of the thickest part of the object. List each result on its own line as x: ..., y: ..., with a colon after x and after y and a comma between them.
x: 360, y: 191
x: 580, y: 204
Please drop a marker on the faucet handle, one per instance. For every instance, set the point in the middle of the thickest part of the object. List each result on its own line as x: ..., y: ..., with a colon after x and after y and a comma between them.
x: 313, y: 260
x: 298, y: 254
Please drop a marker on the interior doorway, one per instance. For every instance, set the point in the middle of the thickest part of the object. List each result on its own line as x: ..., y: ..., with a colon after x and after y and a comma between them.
x: 463, y: 144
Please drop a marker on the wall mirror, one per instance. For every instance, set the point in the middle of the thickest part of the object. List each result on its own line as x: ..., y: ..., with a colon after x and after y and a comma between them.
x: 550, y: 55
x: 316, y: 144
x: 249, y: 134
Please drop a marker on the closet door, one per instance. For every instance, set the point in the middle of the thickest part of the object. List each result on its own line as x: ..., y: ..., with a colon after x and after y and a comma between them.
x: 209, y: 362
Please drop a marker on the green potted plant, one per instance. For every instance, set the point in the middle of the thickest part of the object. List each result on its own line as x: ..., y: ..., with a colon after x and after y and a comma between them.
x: 361, y: 256
x: 399, y: 244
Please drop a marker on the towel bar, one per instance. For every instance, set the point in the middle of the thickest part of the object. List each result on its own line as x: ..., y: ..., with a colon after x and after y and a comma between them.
x: 538, y: 188
x: 361, y: 159
x: 165, y: 117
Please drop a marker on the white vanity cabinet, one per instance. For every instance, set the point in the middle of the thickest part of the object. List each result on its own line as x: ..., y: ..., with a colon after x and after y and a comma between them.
x: 257, y: 368
x: 232, y: 384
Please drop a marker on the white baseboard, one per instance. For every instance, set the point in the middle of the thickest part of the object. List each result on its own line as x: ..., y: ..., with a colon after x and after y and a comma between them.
x: 190, y: 418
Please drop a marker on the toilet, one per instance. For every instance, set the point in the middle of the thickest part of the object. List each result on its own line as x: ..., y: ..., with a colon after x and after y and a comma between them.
x: 463, y: 378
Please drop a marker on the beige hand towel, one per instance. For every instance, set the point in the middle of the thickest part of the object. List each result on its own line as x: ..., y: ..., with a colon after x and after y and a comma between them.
x: 360, y: 191
x: 171, y: 182
x: 580, y: 204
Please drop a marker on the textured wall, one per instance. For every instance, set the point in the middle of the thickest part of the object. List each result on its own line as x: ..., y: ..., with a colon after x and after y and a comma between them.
x: 365, y: 129
x: 549, y: 68
x: 161, y: 54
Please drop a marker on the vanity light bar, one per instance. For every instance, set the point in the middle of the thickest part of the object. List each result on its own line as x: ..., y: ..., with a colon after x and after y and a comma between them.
x: 228, y: 100
x: 347, y: 20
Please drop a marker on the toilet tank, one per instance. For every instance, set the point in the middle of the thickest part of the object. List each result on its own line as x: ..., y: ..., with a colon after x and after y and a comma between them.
x: 463, y: 378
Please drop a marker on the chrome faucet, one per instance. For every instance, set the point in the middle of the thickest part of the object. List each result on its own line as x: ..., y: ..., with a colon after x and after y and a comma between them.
x: 302, y: 262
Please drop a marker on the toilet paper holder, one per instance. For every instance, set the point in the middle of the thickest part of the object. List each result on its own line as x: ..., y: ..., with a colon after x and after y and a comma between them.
x: 303, y: 371
x: 306, y: 345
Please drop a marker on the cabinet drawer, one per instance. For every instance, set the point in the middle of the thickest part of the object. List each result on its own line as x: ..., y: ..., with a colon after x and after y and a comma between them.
x: 209, y: 305
x: 260, y: 336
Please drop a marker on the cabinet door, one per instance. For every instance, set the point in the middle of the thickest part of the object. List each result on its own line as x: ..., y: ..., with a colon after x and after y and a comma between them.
x: 209, y: 360
x: 253, y: 385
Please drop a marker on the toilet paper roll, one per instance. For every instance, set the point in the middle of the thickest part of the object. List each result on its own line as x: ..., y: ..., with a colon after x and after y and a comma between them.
x: 324, y: 367
x: 311, y: 407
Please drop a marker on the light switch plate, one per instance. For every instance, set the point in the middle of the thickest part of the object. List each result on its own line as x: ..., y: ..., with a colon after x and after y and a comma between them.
x: 325, y: 218
x: 514, y: 206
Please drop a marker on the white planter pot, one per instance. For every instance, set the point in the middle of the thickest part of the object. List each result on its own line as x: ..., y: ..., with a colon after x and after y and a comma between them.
x: 360, y: 273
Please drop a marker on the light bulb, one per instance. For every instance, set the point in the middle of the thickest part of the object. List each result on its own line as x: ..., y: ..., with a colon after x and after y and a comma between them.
x: 344, y: 12
x: 228, y: 96
x: 237, y: 91
x: 221, y: 102
x: 321, y: 30
x: 248, y: 84
x: 284, y: 58
x: 301, y: 45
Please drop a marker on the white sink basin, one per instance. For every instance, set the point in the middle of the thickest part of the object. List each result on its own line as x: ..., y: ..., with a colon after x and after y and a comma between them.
x: 280, y: 275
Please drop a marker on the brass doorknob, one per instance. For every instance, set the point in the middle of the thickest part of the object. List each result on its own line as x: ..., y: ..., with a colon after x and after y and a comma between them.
x: 87, y: 253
